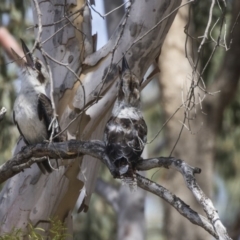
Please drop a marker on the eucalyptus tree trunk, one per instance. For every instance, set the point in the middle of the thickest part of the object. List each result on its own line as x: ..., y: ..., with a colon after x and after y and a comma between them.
x: 85, y: 87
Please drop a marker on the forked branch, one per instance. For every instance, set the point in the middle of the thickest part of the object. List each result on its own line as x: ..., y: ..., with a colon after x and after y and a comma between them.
x: 95, y: 148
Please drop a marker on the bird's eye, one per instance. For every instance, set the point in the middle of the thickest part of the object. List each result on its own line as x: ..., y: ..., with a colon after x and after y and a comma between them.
x: 38, y: 66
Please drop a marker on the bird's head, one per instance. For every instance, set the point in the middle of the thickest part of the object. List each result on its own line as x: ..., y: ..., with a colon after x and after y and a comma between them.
x: 34, y: 71
x: 129, y: 88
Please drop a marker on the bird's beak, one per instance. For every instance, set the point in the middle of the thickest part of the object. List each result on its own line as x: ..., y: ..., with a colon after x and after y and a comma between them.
x: 28, y: 55
x: 124, y: 64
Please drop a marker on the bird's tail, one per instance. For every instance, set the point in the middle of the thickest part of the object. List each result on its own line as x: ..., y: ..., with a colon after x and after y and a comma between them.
x: 130, y: 179
x: 45, y: 166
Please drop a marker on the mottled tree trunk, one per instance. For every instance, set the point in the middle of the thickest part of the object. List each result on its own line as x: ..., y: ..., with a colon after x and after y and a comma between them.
x: 31, y: 196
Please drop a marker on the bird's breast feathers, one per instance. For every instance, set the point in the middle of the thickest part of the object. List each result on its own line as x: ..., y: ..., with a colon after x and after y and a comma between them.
x: 127, y: 112
x: 26, y: 117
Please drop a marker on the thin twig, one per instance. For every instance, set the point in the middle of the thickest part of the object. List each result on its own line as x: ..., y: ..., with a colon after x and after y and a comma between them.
x: 66, y: 65
x: 166, y: 122
x: 205, y: 36
x: 59, y: 21
x: 60, y: 29
x: 105, y: 15
x: 39, y: 34
x: 95, y: 148
x: 190, y: 102
x: 38, y: 45
x: 113, y: 51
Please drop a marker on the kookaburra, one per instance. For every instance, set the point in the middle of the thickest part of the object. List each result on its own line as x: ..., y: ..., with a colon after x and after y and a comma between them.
x: 32, y: 112
x: 126, y: 131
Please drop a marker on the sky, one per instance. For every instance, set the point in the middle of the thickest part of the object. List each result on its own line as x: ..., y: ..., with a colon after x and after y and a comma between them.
x: 98, y: 24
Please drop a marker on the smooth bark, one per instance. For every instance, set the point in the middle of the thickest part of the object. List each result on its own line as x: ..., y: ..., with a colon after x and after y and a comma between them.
x: 82, y: 80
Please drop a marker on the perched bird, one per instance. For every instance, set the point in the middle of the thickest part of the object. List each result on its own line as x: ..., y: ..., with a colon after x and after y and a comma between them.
x: 32, y: 112
x: 125, y: 134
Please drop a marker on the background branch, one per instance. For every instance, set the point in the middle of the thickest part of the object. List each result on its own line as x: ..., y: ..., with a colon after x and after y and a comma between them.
x: 177, y: 203
x: 108, y: 192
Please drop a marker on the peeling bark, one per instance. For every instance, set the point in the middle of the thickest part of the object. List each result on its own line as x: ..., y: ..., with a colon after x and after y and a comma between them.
x: 94, y: 148
x: 82, y: 80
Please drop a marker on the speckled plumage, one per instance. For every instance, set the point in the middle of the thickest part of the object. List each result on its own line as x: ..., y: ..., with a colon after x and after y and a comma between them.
x: 125, y: 133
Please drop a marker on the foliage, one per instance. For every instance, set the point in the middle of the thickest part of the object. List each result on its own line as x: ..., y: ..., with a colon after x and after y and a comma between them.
x: 57, y: 232
x: 15, y: 234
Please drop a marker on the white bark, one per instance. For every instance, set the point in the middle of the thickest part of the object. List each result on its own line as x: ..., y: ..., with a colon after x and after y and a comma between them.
x: 31, y: 196
x: 122, y: 204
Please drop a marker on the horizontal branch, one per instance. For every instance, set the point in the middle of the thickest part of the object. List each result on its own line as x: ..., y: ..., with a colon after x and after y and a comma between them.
x: 62, y: 150
x: 166, y: 162
x: 188, y: 174
x: 95, y: 148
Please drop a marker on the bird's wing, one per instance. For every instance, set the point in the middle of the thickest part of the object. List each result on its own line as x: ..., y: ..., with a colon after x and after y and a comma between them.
x: 141, y: 127
x: 16, y: 123
x: 45, y: 111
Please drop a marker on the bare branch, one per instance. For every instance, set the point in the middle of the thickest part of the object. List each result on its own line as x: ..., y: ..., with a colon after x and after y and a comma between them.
x: 188, y: 174
x: 28, y: 164
x: 105, y: 15
x: 65, y: 150
x: 108, y: 192
x: 197, y: 82
x: 177, y: 203
x: 37, y: 44
x: 205, y: 36
x: 95, y: 148
x: 39, y: 16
